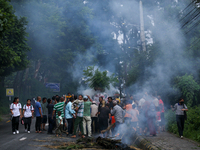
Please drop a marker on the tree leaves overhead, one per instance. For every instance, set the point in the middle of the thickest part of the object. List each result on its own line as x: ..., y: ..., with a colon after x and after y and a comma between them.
x: 13, y: 46
x: 98, y: 80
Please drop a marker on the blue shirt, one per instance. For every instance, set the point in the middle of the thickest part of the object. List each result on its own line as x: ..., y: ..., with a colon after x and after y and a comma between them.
x: 69, y: 111
x: 37, y: 106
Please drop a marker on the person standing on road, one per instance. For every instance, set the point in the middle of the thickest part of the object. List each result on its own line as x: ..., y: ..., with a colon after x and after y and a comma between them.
x: 162, y: 111
x: 28, y: 115
x: 128, y: 108
x: 38, y: 114
x: 69, y: 115
x: 118, y: 113
x: 50, y: 120
x: 180, y: 107
x: 15, y: 109
x: 44, y: 111
x: 87, y: 116
x: 59, y: 107
x: 110, y: 102
x: 79, y: 118
x: 104, y: 116
x: 94, y: 111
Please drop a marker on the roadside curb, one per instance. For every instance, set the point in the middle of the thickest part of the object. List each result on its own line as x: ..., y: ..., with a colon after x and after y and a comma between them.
x: 189, y: 140
x: 143, y: 143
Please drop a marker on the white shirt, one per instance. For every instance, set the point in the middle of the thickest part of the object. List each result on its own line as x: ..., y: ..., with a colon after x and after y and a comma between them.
x: 156, y: 102
x: 28, y: 111
x: 15, y: 109
x: 141, y: 102
x: 94, y: 110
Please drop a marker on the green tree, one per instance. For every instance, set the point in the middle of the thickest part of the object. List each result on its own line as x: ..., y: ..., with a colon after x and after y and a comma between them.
x: 13, y: 46
x: 98, y: 80
x: 188, y: 87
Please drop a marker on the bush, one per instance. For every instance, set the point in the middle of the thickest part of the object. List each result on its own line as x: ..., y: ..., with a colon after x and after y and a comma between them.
x: 192, y: 125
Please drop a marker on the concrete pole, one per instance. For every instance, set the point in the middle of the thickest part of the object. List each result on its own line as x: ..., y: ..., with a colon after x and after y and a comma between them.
x: 142, y: 35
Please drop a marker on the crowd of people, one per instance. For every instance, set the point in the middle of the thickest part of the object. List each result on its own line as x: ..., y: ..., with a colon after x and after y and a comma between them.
x: 82, y: 116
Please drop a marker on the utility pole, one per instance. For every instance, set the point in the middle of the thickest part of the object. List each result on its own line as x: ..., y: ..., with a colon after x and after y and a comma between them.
x: 142, y: 35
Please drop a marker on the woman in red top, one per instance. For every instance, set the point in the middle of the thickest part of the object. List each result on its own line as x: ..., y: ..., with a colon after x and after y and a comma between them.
x: 162, y: 111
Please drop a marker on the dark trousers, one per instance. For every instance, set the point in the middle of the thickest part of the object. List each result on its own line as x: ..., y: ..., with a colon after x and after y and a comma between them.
x: 38, y: 123
x: 103, y: 122
x: 70, y: 125
x: 64, y: 129
x: 162, y: 119
x: 78, y: 121
x: 94, y: 122
x: 180, y: 123
x: 15, y: 123
x: 59, y: 129
x: 51, y: 124
x: 27, y: 122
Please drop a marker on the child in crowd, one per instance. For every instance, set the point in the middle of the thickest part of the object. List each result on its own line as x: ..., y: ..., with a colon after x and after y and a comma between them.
x: 158, y: 119
x: 60, y: 124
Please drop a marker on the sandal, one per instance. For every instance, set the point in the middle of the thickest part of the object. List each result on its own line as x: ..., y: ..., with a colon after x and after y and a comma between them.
x: 74, y: 136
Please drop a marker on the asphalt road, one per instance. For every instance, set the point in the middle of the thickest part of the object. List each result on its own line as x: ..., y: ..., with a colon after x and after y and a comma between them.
x: 25, y: 141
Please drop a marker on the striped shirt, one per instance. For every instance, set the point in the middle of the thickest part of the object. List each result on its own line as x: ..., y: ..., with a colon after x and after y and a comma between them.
x: 81, y: 109
x: 59, y: 107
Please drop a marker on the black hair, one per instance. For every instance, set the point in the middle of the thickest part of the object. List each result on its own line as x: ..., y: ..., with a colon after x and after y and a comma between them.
x: 71, y: 99
x: 75, y: 97
x: 44, y: 98
x: 110, y: 98
x: 58, y: 99
x: 107, y: 105
x: 81, y: 95
x: 49, y: 101
x: 101, y: 97
x: 28, y: 100
x: 15, y: 99
x: 53, y: 98
x: 68, y: 93
x: 180, y: 99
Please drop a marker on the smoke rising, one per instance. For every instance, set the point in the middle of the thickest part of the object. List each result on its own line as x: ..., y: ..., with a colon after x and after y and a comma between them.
x: 116, y: 27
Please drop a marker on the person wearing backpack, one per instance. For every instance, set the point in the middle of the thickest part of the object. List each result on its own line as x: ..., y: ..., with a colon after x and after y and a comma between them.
x: 15, y: 109
x: 180, y: 109
x: 28, y: 115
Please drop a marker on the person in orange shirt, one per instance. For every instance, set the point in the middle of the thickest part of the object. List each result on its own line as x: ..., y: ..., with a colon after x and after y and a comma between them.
x: 128, y: 116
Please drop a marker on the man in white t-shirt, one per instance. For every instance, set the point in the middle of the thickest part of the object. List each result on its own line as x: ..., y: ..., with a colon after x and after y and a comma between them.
x: 15, y: 109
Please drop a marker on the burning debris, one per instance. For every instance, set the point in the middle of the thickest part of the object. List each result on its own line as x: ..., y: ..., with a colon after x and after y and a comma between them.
x: 103, y: 143
x: 90, y: 143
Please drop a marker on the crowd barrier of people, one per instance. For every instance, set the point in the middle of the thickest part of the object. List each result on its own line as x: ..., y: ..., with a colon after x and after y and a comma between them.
x: 81, y: 116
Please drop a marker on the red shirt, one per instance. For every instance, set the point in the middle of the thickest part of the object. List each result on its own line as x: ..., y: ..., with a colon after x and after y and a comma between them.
x: 161, y: 104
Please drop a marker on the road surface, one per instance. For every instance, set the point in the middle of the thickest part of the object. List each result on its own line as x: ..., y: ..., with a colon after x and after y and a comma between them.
x: 25, y: 141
